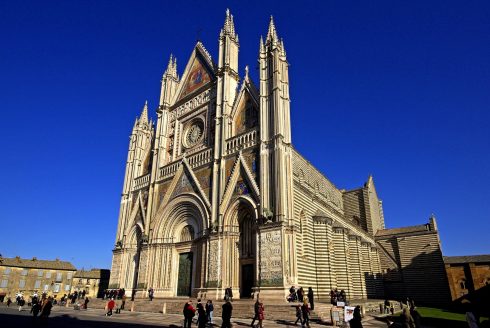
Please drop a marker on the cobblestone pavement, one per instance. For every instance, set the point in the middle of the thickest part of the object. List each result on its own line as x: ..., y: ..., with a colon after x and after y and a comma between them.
x: 67, y: 317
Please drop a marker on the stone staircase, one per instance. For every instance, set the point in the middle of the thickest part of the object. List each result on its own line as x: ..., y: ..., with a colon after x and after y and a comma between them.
x: 242, y: 308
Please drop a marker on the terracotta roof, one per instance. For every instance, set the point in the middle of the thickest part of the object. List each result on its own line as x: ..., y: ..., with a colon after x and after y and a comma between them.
x: 92, y: 274
x: 396, y: 231
x: 467, y: 259
x: 37, y: 264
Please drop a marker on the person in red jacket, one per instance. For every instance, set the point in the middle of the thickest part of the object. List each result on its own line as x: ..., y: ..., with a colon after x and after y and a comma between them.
x: 189, y: 313
x: 110, y: 306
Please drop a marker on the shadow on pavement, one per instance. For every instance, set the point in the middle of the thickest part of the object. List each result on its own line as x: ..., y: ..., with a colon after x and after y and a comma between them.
x: 65, y: 320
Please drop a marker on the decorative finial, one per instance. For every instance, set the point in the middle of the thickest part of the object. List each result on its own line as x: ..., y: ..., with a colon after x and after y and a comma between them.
x: 246, y: 72
x: 272, y: 33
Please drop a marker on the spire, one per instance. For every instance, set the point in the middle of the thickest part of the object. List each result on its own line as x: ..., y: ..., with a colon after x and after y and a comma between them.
x: 262, y: 46
x: 229, y: 26
x: 144, y: 113
x: 171, y: 70
x: 272, y: 33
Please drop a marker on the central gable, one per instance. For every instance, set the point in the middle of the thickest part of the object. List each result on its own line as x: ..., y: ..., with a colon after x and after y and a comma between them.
x: 198, y: 77
x: 198, y: 73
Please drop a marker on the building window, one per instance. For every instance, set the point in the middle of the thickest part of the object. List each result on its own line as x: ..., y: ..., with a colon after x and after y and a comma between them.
x: 7, y: 271
x: 24, y: 272
x: 69, y: 275
x: 48, y: 274
x: 22, y: 283
x: 46, y: 288
x: 4, y: 283
x: 462, y: 283
x: 67, y: 288
x: 59, y: 276
x: 40, y: 273
x: 37, y: 284
x: 56, y: 288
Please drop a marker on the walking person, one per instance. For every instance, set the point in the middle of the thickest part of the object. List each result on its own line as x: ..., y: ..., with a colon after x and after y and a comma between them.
x: 311, y: 298
x: 226, y: 313
x: 305, y: 312
x: 36, y: 307
x: 407, y: 320
x: 9, y: 301
x: 150, y: 294
x: 123, y: 302
x: 209, y: 311
x: 189, y: 313
x: 202, y: 318
x: 85, y: 303
x: 21, y: 303
x: 110, y: 306
x: 261, y: 314
x: 256, y: 311
x: 355, y: 322
x: 298, y: 315
x: 46, y: 308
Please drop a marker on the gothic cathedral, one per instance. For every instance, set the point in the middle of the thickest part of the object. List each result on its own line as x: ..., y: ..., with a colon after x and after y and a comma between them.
x: 215, y: 195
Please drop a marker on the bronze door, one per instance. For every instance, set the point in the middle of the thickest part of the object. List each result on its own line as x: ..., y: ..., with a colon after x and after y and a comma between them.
x: 185, y: 274
x: 247, y: 280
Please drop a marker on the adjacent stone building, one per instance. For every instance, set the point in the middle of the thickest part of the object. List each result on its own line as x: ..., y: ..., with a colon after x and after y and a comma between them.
x: 93, y: 282
x: 467, y: 274
x: 216, y: 196
x: 33, y: 275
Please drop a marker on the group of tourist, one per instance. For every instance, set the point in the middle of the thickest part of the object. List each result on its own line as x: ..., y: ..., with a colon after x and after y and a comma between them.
x: 336, y: 296
x: 205, y: 313
x: 39, y: 305
x: 114, y: 293
x: 409, y: 317
x: 298, y: 294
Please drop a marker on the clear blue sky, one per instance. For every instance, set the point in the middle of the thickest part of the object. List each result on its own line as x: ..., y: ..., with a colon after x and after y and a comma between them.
x: 400, y: 90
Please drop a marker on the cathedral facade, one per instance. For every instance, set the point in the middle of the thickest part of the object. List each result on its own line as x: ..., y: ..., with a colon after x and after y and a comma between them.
x: 216, y: 196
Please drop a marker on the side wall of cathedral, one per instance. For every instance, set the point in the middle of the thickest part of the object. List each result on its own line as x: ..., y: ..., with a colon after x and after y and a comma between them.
x: 333, y: 252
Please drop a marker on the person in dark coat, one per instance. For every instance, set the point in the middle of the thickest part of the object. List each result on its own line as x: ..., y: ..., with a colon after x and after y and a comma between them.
x: 85, y: 303
x: 305, y: 312
x: 355, y: 322
x: 226, y: 312
x: 311, y: 298
x: 256, y: 312
x: 189, y: 313
x: 300, y: 294
x: 46, y: 307
x: 36, y: 307
x: 202, y: 318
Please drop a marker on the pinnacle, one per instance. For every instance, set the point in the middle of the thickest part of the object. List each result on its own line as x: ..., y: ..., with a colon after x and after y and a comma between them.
x: 229, y: 26
x: 272, y: 33
x: 144, y: 113
x: 171, y: 70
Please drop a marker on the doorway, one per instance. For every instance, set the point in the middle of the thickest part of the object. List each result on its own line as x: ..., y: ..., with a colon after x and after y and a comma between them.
x: 247, y: 280
x: 184, y: 283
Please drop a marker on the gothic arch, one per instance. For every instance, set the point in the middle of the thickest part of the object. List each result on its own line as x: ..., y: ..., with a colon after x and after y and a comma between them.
x: 240, y: 258
x: 186, y: 209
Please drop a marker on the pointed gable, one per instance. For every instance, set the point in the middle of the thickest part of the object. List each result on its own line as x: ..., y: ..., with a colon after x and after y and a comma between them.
x: 185, y: 183
x: 198, y: 73
x: 198, y: 76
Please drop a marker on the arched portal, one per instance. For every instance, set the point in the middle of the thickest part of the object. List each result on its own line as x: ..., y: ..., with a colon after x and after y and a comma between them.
x: 240, y: 245
x: 134, y: 251
x: 179, y: 229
